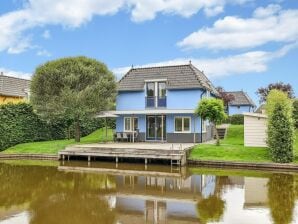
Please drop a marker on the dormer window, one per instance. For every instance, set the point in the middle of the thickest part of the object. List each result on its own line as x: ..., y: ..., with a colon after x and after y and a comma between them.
x: 156, y: 93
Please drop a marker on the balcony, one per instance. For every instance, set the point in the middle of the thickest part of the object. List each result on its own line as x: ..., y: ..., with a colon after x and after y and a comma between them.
x: 155, y: 101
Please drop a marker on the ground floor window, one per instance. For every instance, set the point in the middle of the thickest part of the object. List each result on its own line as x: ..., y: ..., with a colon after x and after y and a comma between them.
x: 130, y: 122
x: 182, y: 124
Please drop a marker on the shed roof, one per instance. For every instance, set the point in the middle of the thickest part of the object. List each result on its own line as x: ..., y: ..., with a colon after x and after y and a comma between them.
x: 12, y: 86
x: 177, y: 77
x: 240, y: 99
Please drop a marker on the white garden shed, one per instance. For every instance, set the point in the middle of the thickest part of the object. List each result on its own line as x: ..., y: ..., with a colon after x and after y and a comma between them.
x: 255, y: 129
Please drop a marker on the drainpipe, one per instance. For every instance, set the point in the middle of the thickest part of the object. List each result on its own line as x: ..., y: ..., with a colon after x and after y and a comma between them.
x: 201, y: 118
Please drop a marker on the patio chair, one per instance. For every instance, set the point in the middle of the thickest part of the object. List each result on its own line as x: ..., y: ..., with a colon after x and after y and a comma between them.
x: 118, y: 137
x: 125, y: 136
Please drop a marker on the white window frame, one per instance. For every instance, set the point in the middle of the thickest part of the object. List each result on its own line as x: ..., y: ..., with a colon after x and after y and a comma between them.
x: 130, y: 123
x: 183, y: 117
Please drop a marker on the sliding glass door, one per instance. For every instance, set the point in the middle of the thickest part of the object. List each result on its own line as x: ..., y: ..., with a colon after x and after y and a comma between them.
x: 156, y: 127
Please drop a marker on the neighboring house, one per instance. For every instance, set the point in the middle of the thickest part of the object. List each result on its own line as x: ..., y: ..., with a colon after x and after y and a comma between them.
x: 242, y: 103
x: 255, y: 129
x: 261, y: 109
x: 13, y: 90
x: 159, y: 102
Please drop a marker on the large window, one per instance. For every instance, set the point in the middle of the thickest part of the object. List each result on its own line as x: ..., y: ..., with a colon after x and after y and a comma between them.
x: 130, y: 122
x: 182, y: 124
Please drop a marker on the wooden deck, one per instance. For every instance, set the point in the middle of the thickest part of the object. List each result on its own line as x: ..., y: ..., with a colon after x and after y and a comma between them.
x: 175, y: 153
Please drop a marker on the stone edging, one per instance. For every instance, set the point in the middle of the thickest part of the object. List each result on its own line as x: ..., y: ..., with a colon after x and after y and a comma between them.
x: 28, y: 156
x: 232, y: 164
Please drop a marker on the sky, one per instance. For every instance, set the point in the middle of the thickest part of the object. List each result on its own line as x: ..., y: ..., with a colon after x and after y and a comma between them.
x: 239, y: 44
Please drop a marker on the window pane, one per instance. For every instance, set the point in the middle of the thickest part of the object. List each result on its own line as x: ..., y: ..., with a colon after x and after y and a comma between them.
x: 186, y: 124
x: 136, y: 125
x: 127, y: 124
x: 150, y: 89
x: 178, y: 124
x: 161, y: 89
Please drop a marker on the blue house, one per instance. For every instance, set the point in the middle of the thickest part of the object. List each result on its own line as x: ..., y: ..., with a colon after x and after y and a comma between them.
x: 242, y: 103
x: 158, y: 103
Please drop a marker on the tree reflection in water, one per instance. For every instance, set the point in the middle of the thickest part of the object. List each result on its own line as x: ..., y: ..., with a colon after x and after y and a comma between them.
x: 211, y: 209
x: 56, y: 197
x: 281, y: 198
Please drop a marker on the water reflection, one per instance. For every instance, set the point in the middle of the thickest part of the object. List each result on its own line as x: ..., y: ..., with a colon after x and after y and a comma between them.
x: 75, y: 193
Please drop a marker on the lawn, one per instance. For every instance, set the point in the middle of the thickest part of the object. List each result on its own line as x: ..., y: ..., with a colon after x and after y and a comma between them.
x: 52, y: 147
x: 232, y: 149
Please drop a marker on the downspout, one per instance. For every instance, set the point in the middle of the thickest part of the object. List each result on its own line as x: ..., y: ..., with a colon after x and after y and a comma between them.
x: 201, y: 118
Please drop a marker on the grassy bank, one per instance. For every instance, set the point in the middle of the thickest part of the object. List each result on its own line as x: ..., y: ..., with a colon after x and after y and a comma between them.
x: 232, y: 149
x: 52, y: 147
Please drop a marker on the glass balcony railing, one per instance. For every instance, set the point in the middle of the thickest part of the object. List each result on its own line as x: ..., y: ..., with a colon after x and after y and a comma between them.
x: 153, y: 102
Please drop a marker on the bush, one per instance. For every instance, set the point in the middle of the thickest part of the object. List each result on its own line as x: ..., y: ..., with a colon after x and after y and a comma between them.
x: 280, y: 127
x: 295, y: 112
x: 235, y: 119
x: 19, y: 124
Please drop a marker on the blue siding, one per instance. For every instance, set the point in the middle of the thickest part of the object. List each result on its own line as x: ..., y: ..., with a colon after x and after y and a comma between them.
x: 235, y: 110
x: 183, y: 99
x: 130, y: 101
x: 170, y: 122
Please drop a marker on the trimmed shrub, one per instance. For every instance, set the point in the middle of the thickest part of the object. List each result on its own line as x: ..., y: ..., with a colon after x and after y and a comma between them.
x: 280, y: 127
x: 295, y: 112
x: 235, y: 119
x: 19, y: 124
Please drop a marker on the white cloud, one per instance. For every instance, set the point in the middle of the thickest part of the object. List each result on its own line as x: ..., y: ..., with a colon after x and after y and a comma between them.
x: 250, y: 62
x: 17, y: 74
x: 43, y: 53
x: 74, y: 13
x: 46, y: 34
x: 269, y: 24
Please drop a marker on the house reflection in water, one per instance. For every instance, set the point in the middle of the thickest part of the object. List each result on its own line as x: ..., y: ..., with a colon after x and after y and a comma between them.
x: 160, y: 199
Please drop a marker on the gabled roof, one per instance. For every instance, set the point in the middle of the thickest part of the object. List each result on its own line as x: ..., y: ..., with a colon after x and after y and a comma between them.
x: 241, y: 99
x: 177, y: 76
x: 11, y: 86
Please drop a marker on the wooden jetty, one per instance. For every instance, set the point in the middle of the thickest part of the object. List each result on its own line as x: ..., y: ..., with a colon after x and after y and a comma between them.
x: 175, y: 153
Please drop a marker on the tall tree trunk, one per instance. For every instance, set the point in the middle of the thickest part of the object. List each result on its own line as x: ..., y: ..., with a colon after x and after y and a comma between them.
x: 217, y: 136
x: 77, y: 131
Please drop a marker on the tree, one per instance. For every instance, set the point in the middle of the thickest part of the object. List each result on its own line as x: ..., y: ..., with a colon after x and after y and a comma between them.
x: 73, y: 87
x: 295, y: 112
x: 280, y: 126
x: 213, y: 110
x: 264, y: 91
x: 226, y: 97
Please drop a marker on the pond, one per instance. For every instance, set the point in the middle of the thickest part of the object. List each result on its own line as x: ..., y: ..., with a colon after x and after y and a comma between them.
x: 45, y: 192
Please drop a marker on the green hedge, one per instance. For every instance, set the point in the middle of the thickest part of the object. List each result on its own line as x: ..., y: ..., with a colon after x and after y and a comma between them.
x: 235, y: 119
x: 19, y: 124
x: 295, y: 112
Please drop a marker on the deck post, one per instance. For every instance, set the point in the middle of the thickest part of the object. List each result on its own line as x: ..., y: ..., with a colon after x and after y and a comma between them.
x: 63, y: 157
x: 146, y: 161
x: 68, y: 158
x: 89, y: 158
x: 116, y: 159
